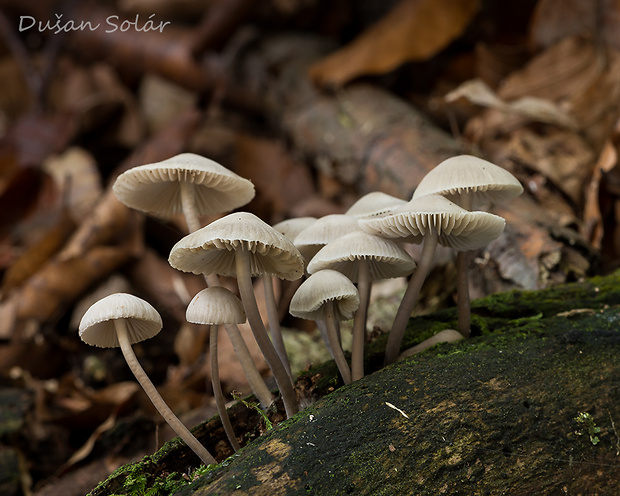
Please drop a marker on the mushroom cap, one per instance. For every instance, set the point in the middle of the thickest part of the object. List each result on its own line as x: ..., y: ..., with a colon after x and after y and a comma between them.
x: 456, y: 227
x: 374, y: 204
x: 290, y: 228
x: 211, y: 249
x: 97, y: 326
x: 155, y: 188
x: 325, y: 229
x: 485, y: 181
x: 386, y: 258
x: 216, y: 305
x: 309, y: 300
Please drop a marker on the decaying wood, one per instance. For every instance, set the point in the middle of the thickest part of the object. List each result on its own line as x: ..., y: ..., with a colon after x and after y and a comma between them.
x: 463, y: 418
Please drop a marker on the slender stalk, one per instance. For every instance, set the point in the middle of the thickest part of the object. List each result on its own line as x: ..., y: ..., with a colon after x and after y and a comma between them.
x: 255, y: 380
x: 331, y: 325
x: 217, y: 390
x: 189, y: 206
x: 159, y: 403
x: 359, y: 321
x: 408, y: 302
x: 462, y: 288
x: 244, y: 280
x: 274, y: 322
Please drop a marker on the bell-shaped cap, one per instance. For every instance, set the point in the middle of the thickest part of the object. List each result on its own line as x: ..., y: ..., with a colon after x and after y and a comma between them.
x: 484, y: 181
x: 374, y: 204
x: 433, y: 214
x: 214, y: 306
x: 211, y: 249
x: 322, y: 231
x: 155, y: 188
x: 386, y: 258
x: 290, y: 228
x: 97, y: 326
x: 309, y: 300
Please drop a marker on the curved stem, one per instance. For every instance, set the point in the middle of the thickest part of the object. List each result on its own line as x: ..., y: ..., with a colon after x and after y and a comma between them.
x: 217, y: 390
x: 334, y: 342
x: 274, y: 322
x: 244, y: 280
x: 359, y: 321
x: 159, y: 403
x: 408, y: 302
x: 189, y: 206
x: 255, y: 380
x: 462, y: 288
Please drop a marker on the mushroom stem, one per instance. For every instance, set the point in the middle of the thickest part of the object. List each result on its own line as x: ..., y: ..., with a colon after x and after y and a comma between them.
x: 217, y: 389
x: 274, y: 322
x: 159, y: 403
x: 359, y: 321
x: 408, y: 302
x: 188, y: 202
x: 462, y: 288
x: 246, y: 291
x: 331, y: 325
x: 255, y: 380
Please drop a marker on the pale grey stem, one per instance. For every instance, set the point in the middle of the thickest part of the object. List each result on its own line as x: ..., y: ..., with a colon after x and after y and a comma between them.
x: 159, y: 403
x: 410, y: 298
x: 244, y: 280
x: 220, y: 402
x: 331, y: 325
x: 255, y: 380
x: 462, y: 288
x: 188, y: 202
x: 359, y: 321
x: 274, y: 323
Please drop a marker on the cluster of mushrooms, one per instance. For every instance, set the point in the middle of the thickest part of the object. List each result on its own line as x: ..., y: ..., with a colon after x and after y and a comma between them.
x: 337, y: 256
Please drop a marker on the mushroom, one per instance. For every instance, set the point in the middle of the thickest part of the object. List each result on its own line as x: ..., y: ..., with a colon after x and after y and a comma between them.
x: 331, y: 297
x: 430, y: 220
x: 216, y: 306
x: 363, y: 258
x: 120, y: 320
x: 469, y: 182
x: 244, y: 246
x: 374, y: 204
x: 322, y: 231
x: 186, y: 183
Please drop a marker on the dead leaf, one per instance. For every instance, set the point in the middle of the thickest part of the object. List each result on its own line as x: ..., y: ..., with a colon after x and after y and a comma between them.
x: 413, y: 30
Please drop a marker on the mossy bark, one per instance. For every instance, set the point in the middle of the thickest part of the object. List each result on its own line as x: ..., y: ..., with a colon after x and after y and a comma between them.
x: 529, y: 405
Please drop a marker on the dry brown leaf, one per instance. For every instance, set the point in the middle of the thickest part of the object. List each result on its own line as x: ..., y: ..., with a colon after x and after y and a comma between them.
x: 414, y: 30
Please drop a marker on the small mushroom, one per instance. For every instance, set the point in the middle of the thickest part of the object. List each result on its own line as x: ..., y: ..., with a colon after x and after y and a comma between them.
x: 120, y: 320
x: 374, y: 204
x: 363, y: 258
x: 216, y: 306
x: 186, y: 183
x: 325, y: 229
x: 328, y: 296
x: 469, y: 182
x: 244, y: 246
x: 430, y: 219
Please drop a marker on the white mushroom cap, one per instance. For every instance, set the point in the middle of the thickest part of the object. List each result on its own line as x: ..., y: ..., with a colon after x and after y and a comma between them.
x: 155, y: 188
x: 292, y: 227
x: 485, y: 181
x: 322, y: 231
x: 455, y: 227
x: 211, y: 249
x: 309, y: 300
x: 386, y: 258
x: 374, y: 204
x: 216, y: 305
x: 97, y: 325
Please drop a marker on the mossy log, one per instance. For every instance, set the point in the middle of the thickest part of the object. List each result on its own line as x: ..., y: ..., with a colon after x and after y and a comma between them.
x: 530, y: 405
